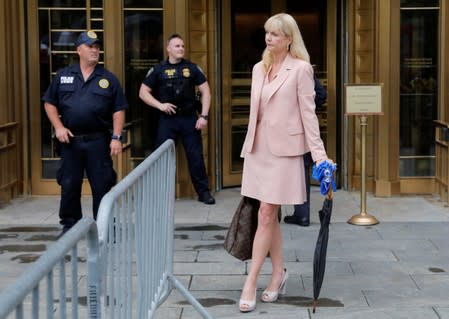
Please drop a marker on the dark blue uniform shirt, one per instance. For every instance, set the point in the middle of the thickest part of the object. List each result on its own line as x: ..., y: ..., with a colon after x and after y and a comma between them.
x: 175, y: 83
x: 86, y: 107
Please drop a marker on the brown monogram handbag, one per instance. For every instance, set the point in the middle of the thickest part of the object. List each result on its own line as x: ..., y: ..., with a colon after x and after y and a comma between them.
x: 240, y: 236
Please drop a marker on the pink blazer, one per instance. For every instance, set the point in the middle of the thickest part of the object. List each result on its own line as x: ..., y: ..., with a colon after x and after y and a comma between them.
x: 290, y: 115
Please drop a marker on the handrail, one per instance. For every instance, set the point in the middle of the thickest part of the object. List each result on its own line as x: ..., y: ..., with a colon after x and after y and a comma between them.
x: 8, y: 125
x: 440, y: 123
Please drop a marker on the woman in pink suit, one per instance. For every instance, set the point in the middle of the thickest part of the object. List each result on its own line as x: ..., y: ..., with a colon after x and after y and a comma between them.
x: 282, y: 127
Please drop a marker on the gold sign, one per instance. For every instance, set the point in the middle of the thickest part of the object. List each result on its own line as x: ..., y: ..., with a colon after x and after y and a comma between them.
x: 363, y: 99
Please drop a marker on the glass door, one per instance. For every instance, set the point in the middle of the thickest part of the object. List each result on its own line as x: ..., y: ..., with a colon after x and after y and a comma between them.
x: 243, y: 44
x: 419, y: 87
x: 243, y: 41
x: 144, y: 47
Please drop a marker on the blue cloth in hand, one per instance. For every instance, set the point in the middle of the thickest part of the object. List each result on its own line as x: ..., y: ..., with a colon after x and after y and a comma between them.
x: 324, y: 173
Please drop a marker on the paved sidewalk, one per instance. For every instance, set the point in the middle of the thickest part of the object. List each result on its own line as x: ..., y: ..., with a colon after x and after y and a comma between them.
x: 396, y: 269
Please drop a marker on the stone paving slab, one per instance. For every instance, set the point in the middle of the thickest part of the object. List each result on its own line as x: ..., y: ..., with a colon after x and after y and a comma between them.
x: 396, y: 297
x: 365, y: 268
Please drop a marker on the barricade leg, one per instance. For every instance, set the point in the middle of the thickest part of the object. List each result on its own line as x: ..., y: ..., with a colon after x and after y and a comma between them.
x: 198, y: 307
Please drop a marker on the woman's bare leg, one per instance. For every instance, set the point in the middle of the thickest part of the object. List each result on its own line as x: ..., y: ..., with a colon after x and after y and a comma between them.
x: 277, y: 260
x: 262, y: 244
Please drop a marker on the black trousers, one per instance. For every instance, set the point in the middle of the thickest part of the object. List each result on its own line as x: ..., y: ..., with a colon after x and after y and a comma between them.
x: 303, y: 210
x: 170, y: 127
x: 84, y: 154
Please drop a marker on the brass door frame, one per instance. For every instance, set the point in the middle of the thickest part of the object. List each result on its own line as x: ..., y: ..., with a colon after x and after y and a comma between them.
x: 331, y: 48
x: 230, y: 178
x: 39, y: 186
x: 227, y: 177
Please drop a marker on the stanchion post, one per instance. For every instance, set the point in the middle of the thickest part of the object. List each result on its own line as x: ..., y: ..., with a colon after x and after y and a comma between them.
x: 363, y: 218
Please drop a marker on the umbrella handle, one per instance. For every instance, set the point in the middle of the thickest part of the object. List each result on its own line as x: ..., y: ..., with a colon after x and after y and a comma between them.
x: 330, y: 193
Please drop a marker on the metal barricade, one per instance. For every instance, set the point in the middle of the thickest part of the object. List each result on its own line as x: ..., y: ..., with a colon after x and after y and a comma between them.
x: 136, y: 230
x: 129, y: 255
x: 51, y: 268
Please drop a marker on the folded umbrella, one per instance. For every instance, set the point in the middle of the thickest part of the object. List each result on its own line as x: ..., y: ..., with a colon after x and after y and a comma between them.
x: 324, y: 174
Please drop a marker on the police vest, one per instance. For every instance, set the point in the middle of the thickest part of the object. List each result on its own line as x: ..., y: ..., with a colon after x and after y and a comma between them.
x: 177, y: 85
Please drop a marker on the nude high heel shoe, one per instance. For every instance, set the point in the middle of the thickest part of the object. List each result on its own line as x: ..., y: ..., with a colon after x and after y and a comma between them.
x: 272, y: 296
x: 248, y: 305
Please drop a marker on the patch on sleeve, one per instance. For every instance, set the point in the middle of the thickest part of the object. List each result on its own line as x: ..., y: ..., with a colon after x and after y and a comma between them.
x: 200, y: 69
x: 149, y: 72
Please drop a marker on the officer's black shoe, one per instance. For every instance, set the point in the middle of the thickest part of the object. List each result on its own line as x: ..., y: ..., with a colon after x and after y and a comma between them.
x: 206, y: 198
x: 300, y: 221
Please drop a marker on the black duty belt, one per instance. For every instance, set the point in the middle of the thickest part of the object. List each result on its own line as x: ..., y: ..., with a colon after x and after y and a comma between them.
x: 89, y: 136
x: 182, y: 111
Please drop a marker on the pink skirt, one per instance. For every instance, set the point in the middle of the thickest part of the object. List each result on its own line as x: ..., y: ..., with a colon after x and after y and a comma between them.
x: 270, y: 178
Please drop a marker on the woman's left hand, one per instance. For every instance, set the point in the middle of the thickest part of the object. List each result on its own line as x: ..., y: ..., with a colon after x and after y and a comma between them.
x: 324, y: 160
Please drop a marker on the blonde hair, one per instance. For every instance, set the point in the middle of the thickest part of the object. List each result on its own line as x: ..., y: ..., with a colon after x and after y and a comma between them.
x: 287, y: 25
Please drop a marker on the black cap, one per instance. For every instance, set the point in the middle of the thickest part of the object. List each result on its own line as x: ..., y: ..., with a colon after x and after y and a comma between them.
x: 88, y: 38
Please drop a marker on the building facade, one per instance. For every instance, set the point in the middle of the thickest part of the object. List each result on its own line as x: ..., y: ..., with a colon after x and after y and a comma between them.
x: 398, y: 44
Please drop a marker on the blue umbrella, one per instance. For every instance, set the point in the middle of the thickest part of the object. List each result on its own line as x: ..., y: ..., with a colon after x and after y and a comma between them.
x: 324, y: 173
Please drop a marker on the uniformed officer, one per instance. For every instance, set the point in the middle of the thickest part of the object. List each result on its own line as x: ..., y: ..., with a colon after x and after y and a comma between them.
x: 86, y: 106
x: 170, y: 87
